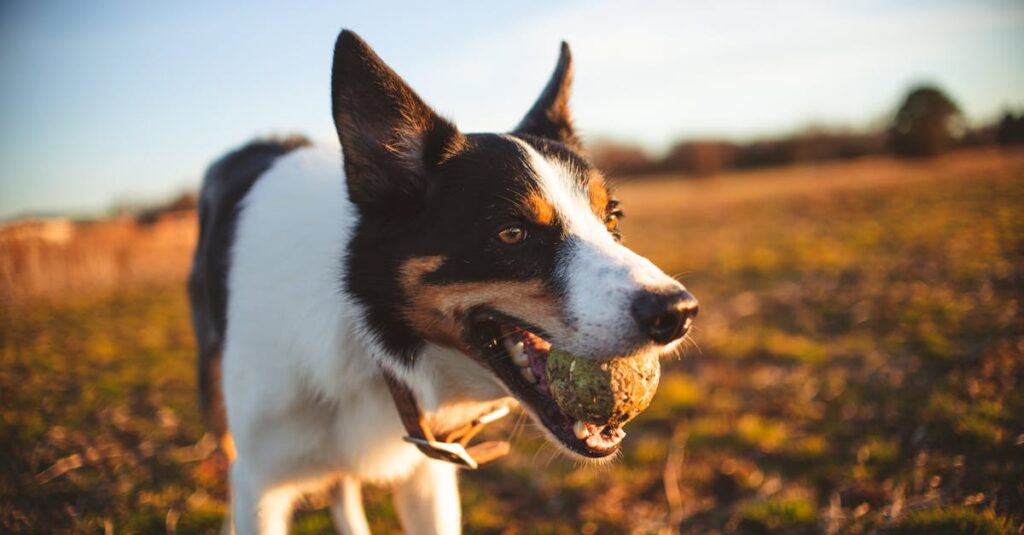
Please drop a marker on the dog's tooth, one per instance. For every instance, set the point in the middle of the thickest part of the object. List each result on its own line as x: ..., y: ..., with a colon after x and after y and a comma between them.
x: 580, y: 429
x: 517, y: 351
x: 528, y: 375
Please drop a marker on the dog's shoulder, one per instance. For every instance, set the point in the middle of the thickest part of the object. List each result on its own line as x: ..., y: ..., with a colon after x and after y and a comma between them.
x: 226, y: 183
x: 285, y: 285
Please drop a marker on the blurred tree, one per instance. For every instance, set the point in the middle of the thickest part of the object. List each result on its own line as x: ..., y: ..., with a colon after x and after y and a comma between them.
x: 1011, y: 129
x: 618, y: 159
x: 186, y: 202
x: 927, y: 123
x: 700, y: 158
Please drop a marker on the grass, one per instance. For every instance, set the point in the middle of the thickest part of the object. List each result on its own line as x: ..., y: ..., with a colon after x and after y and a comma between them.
x: 858, y: 368
x: 952, y: 521
x: 772, y: 516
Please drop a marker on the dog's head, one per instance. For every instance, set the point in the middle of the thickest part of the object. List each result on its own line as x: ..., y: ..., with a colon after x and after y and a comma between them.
x: 498, y: 245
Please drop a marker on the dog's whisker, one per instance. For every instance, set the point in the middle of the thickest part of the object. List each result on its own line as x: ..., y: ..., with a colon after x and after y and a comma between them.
x: 696, y: 345
x: 553, y: 453
x: 517, y: 428
x: 690, y: 339
x: 537, y: 452
x: 681, y: 275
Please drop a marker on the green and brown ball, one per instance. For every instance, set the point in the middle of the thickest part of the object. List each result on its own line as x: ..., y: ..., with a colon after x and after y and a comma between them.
x: 602, y: 393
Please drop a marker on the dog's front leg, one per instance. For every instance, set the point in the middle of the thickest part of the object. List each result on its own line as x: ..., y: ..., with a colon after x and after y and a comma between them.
x: 428, y: 500
x: 257, y: 509
x: 347, y: 510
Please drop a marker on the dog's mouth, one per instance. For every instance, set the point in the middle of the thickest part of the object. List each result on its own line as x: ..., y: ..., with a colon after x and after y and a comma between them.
x: 517, y: 352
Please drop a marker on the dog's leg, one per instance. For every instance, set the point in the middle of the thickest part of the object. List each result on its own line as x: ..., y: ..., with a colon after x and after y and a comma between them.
x: 347, y: 510
x: 245, y: 499
x: 428, y: 500
x: 256, y: 509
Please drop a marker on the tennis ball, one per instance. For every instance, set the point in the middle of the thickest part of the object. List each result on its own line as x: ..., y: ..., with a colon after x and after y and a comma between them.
x: 602, y: 393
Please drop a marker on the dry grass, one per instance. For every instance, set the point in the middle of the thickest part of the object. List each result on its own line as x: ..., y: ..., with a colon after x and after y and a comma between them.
x: 57, y: 258
x: 858, y: 368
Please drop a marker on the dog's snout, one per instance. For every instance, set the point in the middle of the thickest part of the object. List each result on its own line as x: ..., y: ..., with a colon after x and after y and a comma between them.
x: 664, y: 317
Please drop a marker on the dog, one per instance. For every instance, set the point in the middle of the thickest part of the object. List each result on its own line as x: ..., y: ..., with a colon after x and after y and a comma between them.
x: 360, y: 316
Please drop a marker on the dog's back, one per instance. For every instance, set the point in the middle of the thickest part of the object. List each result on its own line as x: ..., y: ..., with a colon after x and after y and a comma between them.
x: 225, y: 185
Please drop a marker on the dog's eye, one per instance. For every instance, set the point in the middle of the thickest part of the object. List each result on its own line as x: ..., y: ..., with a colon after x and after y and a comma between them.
x: 612, y: 223
x: 615, y: 214
x: 512, y: 235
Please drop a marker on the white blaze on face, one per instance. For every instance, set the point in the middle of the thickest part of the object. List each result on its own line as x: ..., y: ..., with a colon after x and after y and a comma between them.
x: 601, y: 277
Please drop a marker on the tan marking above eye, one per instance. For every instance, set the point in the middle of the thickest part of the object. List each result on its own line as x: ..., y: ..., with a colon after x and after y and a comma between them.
x: 597, y: 191
x: 416, y: 268
x: 539, y: 209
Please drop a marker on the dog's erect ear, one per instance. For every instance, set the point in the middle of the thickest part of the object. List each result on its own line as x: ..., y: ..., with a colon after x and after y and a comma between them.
x: 392, y: 141
x: 550, y: 117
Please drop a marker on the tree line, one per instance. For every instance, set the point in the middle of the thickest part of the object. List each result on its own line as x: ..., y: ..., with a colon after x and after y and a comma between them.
x: 926, y: 124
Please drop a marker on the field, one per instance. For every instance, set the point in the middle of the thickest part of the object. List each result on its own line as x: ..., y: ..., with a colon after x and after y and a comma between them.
x: 857, y: 367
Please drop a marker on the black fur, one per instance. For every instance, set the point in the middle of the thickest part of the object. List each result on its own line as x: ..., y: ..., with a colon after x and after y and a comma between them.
x: 391, y: 139
x: 550, y: 117
x: 225, y: 184
x: 470, y: 198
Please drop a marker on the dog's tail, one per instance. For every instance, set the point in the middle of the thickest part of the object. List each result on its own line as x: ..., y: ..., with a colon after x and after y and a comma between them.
x: 224, y: 186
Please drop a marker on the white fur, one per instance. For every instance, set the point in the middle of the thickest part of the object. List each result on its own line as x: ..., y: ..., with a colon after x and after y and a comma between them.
x: 306, y: 403
x: 603, y: 277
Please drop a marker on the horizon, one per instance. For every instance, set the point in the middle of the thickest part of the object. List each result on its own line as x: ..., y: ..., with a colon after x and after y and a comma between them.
x: 119, y: 102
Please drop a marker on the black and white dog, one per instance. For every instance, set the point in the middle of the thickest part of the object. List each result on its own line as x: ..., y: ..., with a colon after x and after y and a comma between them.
x: 426, y: 269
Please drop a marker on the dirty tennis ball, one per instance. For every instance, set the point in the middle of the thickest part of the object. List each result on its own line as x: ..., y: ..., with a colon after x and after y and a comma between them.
x: 602, y: 393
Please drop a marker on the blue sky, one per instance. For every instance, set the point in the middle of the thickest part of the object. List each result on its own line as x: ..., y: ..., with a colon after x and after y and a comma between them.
x: 127, y: 100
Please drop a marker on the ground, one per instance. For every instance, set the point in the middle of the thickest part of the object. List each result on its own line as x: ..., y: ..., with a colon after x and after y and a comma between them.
x: 857, y: 367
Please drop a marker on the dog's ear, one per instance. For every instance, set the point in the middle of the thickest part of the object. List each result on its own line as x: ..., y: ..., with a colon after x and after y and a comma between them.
x: 550, y: 116
x: 392, y: 141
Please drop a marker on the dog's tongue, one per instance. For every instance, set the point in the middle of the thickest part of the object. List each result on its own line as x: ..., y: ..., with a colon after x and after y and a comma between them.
x: 537, y: 350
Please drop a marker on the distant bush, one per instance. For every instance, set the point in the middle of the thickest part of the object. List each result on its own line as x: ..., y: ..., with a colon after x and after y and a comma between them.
x: 927, y: 124
x: 980, y: 136
x: 700, y: 158
x: 186, y: 202
x: 618, y: 159
x: 1010, y: 130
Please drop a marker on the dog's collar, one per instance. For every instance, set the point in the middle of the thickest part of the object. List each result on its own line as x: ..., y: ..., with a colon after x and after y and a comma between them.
x: 451, y: 446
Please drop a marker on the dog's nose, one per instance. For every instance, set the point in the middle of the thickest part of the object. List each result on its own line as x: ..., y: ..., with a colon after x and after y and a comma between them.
x: 664, y: 317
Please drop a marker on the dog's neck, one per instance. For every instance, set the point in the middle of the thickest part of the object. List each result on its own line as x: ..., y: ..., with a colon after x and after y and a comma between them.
x: 448, y: 378
x: 446, y: 382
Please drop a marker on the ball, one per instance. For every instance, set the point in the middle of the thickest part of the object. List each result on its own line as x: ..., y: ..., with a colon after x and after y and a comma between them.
x: 611, y: 393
